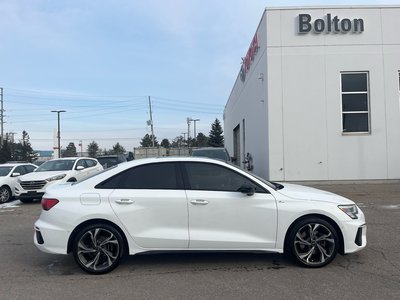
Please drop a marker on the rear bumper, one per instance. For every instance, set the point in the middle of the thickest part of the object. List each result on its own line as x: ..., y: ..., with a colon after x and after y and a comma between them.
x: 50, y: 239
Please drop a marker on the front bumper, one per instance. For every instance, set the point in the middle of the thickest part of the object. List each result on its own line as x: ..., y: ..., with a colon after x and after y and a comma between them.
x: 354, y: 236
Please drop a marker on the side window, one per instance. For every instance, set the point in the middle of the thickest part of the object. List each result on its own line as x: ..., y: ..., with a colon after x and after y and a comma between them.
x: 20, y: 170
x: 29, y: 168
x: 90, y: 163
x: 355, y: 102
x: 150, y: 176
x: 81, y: 163
x: 205, y: 176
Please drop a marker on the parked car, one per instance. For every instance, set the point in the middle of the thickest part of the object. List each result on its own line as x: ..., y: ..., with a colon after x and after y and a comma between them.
x: 212, y: 152
x: 108, y: 161
x: 32, y: 186
x: 187, y: 203
x: 9, y: 173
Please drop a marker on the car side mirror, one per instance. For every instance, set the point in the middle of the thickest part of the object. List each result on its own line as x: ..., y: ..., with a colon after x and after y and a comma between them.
x: 79, y: 168
x: 15, y: 174
x: 247, y: 189
x: 233, y: 159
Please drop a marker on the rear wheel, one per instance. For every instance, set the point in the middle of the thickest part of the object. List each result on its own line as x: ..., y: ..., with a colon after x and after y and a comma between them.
x: 313, y: 242
x: 5, y: 194
x: 98, y: 248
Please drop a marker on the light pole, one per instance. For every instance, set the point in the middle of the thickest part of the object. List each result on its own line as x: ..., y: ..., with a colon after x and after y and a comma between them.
x: 194, y: 128
x: 58, y: 129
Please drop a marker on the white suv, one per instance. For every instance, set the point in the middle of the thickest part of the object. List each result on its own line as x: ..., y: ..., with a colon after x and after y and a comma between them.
x: 32, y: 186
x: 9, y: 173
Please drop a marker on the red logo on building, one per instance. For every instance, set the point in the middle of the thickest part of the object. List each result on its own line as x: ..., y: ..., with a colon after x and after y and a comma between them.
x: 249, y: 58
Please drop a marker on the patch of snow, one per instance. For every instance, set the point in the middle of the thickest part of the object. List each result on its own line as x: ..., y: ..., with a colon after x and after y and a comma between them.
x: 12, y: 204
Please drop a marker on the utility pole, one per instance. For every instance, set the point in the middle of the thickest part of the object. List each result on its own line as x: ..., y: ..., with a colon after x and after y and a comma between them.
x: 151, y: 123
x: 2, y: 117
x: 58, y: 130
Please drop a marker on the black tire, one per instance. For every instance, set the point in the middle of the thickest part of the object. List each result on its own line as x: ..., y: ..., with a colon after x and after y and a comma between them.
x: 5, y: 194
x: 98, y: 248
x: 313, y: 242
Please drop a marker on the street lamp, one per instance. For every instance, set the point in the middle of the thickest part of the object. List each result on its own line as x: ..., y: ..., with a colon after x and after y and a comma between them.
x: 194, y: 127
x: 58, y: 129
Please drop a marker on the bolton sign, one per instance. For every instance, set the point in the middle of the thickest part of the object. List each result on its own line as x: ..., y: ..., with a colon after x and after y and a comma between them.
x: 329, y: 24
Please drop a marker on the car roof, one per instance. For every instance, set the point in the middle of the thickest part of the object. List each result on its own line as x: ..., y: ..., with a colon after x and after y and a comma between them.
x: 16, y: 164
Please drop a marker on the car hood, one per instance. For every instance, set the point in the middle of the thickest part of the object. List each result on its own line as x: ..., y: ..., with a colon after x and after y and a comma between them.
x: 41, y: 175
x: 308, y: 193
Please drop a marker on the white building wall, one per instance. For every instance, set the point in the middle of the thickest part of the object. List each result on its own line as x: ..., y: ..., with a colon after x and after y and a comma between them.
x: 303, y: 102
x: 248, y: 106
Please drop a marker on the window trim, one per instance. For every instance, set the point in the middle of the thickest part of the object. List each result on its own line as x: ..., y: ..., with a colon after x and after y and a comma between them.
x: 368, y: 112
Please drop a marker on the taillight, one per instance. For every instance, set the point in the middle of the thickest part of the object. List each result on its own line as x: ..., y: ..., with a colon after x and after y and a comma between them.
x: 48, y: 203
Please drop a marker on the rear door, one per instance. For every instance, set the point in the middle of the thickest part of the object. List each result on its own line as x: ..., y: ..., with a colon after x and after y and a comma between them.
x: 151, y: 203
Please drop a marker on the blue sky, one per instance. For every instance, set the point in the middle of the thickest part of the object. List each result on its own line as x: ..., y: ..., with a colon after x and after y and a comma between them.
x: 100, y: 60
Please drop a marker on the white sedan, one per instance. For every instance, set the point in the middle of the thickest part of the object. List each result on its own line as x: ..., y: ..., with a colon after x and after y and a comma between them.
x: 181, y: 204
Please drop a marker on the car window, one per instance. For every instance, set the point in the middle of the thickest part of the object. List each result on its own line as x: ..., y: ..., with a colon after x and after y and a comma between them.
x: 5, y: 170
x: 20, y: 169
x: 149, y: 176
x: 81, y: 163
x: 30, y: 168
x: 90, y: 163
x: 206, y: 176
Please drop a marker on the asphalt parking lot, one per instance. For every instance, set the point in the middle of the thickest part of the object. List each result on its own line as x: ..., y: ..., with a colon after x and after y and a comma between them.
x: 374, y: 273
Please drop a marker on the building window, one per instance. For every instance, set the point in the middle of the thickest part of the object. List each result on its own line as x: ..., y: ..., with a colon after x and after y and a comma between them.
x: 355, y: 102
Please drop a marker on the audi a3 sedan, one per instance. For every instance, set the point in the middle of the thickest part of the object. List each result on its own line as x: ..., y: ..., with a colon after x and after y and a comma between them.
x: 183, y: 204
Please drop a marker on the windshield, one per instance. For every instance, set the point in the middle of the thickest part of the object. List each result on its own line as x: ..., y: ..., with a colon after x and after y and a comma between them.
x: 56, y: 165
x: 107, y: 162
x: 4, y: 171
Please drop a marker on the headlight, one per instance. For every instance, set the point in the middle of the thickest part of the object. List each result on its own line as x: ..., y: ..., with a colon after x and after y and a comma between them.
x: 57, y: 177
x: 350, y: 210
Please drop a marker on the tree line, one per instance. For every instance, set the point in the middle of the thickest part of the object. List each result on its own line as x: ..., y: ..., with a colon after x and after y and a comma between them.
x: 22, y: 150
x: 214, y: 139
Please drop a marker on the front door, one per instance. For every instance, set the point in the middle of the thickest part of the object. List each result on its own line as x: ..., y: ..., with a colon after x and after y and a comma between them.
x: 221, y: 217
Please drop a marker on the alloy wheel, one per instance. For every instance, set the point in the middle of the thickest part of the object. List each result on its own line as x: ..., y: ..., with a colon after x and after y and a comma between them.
x: 98, y: 249
x: 5, y: 195
x: 315, y: 244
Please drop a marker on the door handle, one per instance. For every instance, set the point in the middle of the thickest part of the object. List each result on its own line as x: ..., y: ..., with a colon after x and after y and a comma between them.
x: 199, y: 202
x: 124, y: 201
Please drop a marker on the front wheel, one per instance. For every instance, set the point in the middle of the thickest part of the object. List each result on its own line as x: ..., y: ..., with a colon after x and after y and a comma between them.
x: 98, y: 248
x: 5, y: 194
x: 313, y: 242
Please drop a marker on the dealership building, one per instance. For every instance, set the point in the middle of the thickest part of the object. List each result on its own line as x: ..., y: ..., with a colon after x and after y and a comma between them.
x: 317, y: 96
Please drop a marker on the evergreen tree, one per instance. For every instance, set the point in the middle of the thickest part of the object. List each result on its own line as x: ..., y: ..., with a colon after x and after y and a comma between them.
x: 5, y: 152
x: 165, y: 143
x: 201, y: 140
x: 93, y: 149
x: 23, y: 150
x: 70, y: 151
x: 216, y: 138
x: 148, y: 142
x: 118, y: 149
